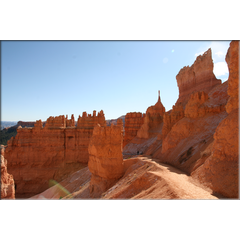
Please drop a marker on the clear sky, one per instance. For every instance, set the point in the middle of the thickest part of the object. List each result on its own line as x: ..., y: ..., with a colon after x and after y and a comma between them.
x: 51, y: 78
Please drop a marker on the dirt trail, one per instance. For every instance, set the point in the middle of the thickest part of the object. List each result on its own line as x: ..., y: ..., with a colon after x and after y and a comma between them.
x: 151, y: 180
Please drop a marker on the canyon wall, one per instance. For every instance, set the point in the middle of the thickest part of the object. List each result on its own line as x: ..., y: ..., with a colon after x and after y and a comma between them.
x: 39, y: 154
x: 7, y: 181
x: 105, y: 157
x: 133, y: 122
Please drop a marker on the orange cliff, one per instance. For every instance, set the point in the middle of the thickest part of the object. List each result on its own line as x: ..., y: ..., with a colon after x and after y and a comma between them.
x: 105, y: 157
x: 133, y: 122
x: 7, y: 181
x: 39, y: 154
x: 220, y: 171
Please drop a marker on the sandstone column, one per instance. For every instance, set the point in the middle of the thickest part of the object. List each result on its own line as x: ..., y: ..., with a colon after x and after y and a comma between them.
x: 105, y: 157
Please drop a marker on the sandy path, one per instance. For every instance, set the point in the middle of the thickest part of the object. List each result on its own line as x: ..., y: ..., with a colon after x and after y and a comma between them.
x: 151, y: 180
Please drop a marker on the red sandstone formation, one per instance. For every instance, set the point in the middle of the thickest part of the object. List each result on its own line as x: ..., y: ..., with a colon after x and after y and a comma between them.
x: 193, y: 108
x: 39, y: 154
x: 87, y: 121
x: 198, y: 77
x: 194, y: 84
x: 7, y: 182
x: 203, y: 113
x: 105, y: 157
x: 220, y: 170
x: 133, y: 122
x: 152, y: 120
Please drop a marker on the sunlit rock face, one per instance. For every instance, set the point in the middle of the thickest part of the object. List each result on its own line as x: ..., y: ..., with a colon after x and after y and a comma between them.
x: 198, y: 77
x: 39, y: 154
x: 105, y: 157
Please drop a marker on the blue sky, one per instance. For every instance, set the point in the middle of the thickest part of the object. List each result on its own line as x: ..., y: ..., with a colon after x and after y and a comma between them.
x: 50, y: 78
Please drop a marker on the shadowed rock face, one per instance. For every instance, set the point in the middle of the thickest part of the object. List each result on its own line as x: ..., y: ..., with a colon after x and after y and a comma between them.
x: 39, y: 154
x: 105, y: 157
x: 198, y: 77
x: 7, y: 182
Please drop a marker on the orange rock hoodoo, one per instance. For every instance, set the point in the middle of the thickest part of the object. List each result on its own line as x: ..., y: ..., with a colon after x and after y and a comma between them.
x: 39, y: 154
x: 194, y: 84
x: 7, y: 182
x: 133, y: 122
x: 198, y: 77
x: 152, y: 120
x: 199, y: 95
x: 105, y: 157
